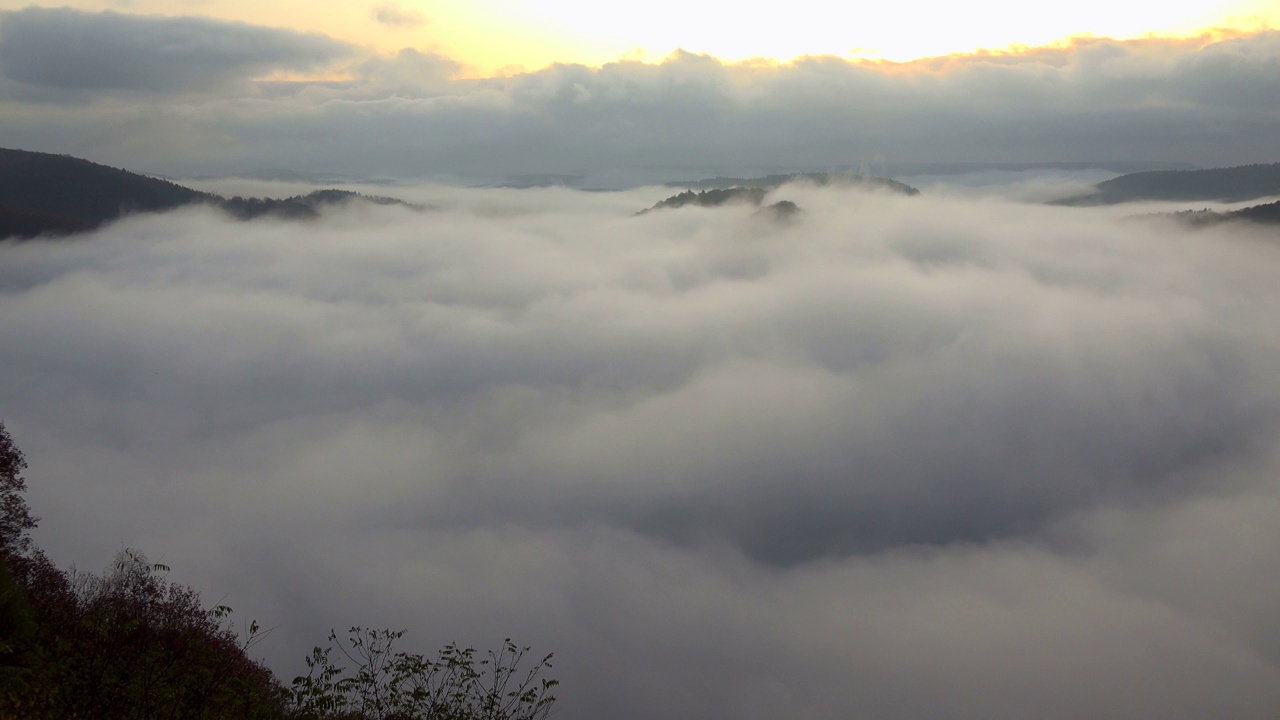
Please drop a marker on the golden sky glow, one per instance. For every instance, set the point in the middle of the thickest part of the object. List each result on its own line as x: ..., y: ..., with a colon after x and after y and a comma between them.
x: 490, y: 35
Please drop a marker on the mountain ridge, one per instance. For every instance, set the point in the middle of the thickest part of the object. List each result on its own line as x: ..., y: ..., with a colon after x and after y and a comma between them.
x: 753, y: 192
x: 1228, y: 184
x: 49, y: 195
x: 1265, y: 214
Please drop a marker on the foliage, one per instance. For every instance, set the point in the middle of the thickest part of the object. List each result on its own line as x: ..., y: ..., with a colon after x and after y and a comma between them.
x: 124, y: 644
x: 16, y: 520
x: 129, y: 644
x: 367, y: 679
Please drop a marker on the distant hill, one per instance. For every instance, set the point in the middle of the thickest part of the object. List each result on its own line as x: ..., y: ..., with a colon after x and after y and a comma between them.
x: 1268, y: 214
x: 46, y: 194
x: 60, y: 193
x: 813, y: 178
x: 963, y: 168
x: 781, y: 211
x: 711, y: 198
x: 300, y: 207
x: 1233, y: 184
x: 752, y: 191
x: 18, y: 221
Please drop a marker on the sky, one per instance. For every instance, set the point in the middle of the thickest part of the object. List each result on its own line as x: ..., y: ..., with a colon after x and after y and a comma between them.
x: 618, y: 96
x: 945, y: 456
x: 500, y: 36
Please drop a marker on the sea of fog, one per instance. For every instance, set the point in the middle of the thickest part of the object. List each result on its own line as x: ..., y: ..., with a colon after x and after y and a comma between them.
x: 950, y: 456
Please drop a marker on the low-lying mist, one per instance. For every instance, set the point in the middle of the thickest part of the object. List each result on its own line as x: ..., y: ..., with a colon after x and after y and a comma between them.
x: 896, y: 457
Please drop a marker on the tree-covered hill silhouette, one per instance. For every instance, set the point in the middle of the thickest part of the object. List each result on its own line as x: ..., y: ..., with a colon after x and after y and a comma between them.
x: 55, y: 195
x: 752, y: 191
x: 43, y: 193
x: 299, y: 207
x: 711, y: 198
x: 25, y: 222
x: 1267, y: 214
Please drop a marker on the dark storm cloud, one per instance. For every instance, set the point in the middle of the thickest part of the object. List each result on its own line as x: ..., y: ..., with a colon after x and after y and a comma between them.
x: 903, y: 458
x: 73, y: 50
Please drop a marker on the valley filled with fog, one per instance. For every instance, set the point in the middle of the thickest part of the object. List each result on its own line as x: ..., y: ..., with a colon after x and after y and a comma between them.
x: 955, y: 455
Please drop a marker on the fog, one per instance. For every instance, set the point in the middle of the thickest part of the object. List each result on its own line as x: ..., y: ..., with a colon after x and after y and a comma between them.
x: 953, y: 456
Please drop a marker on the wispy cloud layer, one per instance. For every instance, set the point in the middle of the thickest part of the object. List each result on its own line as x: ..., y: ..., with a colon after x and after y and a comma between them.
x: 1201, y: 101
x: 905, y: 457
x: 397, y: 16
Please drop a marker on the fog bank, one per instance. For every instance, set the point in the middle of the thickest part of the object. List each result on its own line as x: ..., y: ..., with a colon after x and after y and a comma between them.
x: 900, y: 457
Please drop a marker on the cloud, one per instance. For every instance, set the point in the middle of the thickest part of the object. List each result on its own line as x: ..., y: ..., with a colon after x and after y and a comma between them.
x: 905, y: 457
x: 66, y: 49
x: 413, y: 114
x: 407, y: 73
x: 394, y: 15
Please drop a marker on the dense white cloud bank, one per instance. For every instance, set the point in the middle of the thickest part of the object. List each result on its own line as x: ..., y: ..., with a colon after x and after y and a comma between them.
x: 900, y: 458
x: 176, y: 111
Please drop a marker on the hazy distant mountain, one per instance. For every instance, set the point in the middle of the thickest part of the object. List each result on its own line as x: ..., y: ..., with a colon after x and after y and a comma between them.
x: 711, y: 198
x: 300, y: 207
x: 814, y: 178
x: 752, y: 191
x: 781, y: 211
x: 1268, y: 214
x: 1233, y: 184
x: 525, y: 181
x: 1119, y: 167
x: 46, y: 194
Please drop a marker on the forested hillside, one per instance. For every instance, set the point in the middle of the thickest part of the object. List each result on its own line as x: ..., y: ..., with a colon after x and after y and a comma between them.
x: 1232, y: 184
x: 55, y: 195
x: 1268, y: 214
x: 42, y: 192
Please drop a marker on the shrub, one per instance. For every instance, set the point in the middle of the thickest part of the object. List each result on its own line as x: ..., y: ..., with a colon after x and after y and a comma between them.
x: 129, y: 644
x: 366, y: 679
x: 16, y: 520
